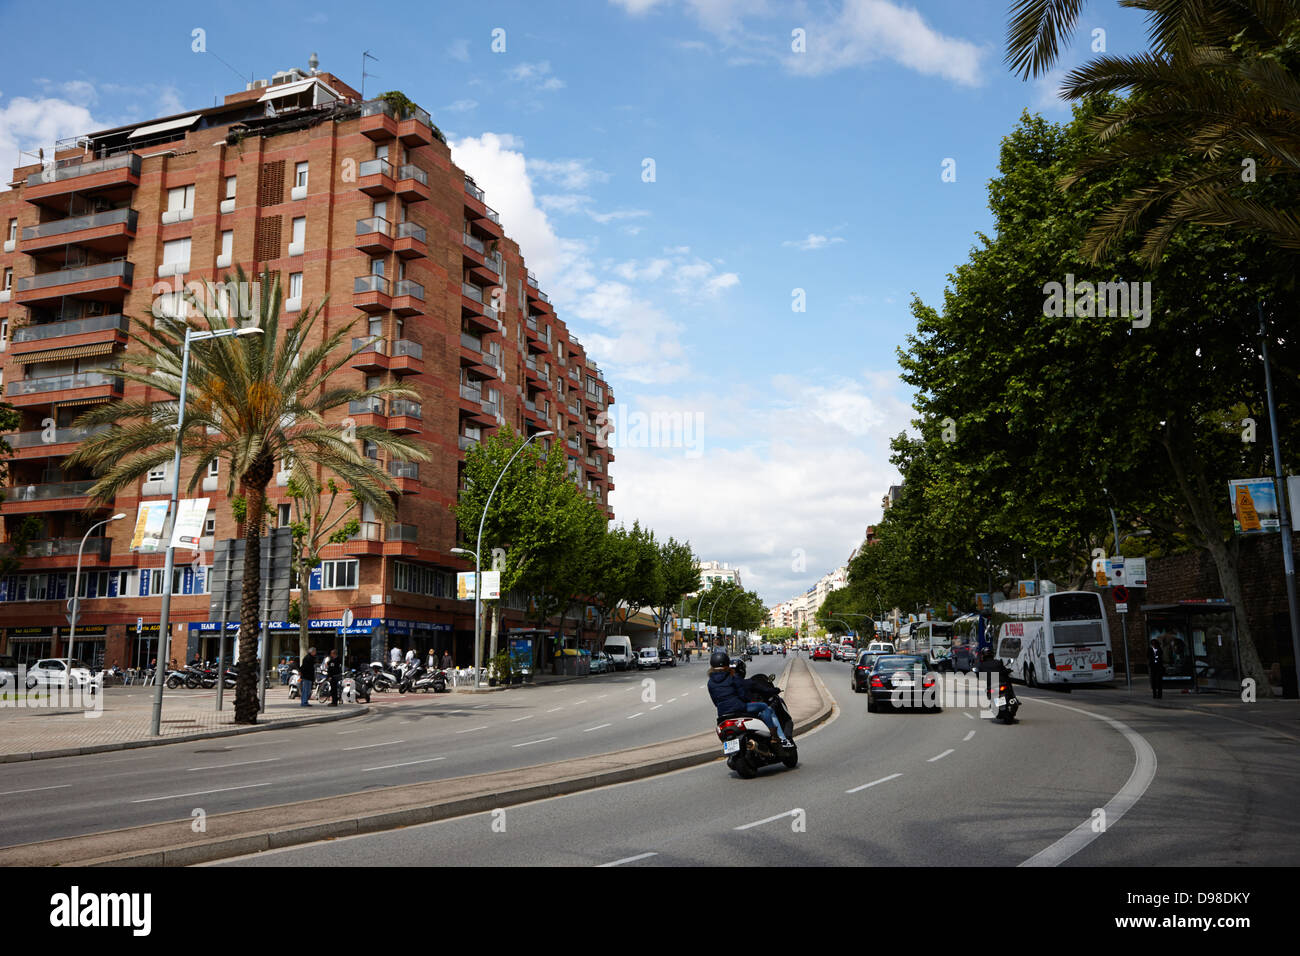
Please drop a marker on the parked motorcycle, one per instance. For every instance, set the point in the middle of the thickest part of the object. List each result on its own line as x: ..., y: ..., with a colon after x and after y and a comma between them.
x: 179, y: 678
x: 383, y: 678
x: 360, y: 682
x: 747, y: 741
x: 295, y: 684
x: 410, y: 674
x: 430, y: 679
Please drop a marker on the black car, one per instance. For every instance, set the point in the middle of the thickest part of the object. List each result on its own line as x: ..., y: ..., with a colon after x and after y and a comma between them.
x: 898, y: 682
x: 861, y: 669
x: 667, y: 657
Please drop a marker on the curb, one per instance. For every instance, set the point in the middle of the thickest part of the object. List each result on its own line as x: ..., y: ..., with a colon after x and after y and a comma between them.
x: 160, y: 741
x: 245, y: 843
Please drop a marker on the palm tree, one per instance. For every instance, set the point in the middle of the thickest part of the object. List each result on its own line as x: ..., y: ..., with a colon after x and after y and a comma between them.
x: 251, y: 400
x: 1219, y: 88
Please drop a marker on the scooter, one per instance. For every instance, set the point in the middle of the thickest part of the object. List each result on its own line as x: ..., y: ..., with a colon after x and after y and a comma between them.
x: 383, y: 679
x: 295, y: 684
x: 360, y: 684
x: 1006, y: 703
x: 747, y: 741
x: 430, y: 680
x: 415, y: 676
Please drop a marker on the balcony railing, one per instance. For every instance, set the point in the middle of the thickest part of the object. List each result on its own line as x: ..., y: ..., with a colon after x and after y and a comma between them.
x: 72, y: 170
x: 543, y: 296
x: 402, y: 406
x: 409, y: 230
x: 404, y: 469
x: 476, y: 244
x: 60, y: 436
x: 531, y: 322
x: 466, y: 442
x: 369, y: 344
x: 61, y: 227
x: 96, y: 323
x: 531, y: 363
x: 408, y: 348
x: 374, y: 224
x: 574, y: 374
x: 60, y: 489
x: 375, y: 107
x: 376, y: 167
x: 59, y: 383
x: 473, y: 190
x: 493, y: 215
x: 532, y: 280
x: 370, y: 283
x: 403, y: 532
x: 471, y: 342
x: 489, y: 407
x: 65, y: 547
x: 530, y: 405
x: 471, y: 393
x: 411, y: 171
x: 409, y: 287
x: 494, y: 263
x: 471, y: 291
x: 369, y: 531
x: 105, y: 270
x: 366, y: 406
x: 491, y: 358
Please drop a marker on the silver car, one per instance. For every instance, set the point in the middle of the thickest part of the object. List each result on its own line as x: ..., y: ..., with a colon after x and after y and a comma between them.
x: 54, y: 672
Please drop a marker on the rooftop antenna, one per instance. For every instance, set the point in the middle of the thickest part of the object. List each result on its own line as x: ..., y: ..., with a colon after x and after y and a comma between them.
x: 229, y: 67
x: 366, y: 56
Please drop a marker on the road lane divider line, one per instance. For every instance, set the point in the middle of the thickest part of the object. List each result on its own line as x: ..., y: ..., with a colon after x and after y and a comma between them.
x: 200, y: 793
x: 670, y: 700
x: 62, y: 786
x: 407, y: 763
x: 968, y: 715
x: 656, y: 706
x: 637, y: 714
x: 222, y: 766
x: 577, y: 702
x: 597, y: 727
x: 759, y: 823
x: 1144, y: 772
x: 940, y: 756
x: 892, y: 776
x: 968, y: 736
x: 386, y: 743
x: 525, y: 717
x: 554, y: 709
x: 529, y: 743
x: 629, y: 859
x: 471, y: 729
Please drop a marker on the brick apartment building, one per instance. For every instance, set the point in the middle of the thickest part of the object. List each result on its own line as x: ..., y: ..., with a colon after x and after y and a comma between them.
x: 357, y: 201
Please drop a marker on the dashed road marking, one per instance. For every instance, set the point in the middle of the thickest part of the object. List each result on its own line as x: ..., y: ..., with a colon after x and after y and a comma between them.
x: 968, y: 736
x: 470, y: 729
x: 407, y: 763
x: 637, y: 714
x: 222, y: 766
x: 630, y: 859
x: 529, y: 743
x: 759, y: 823
x: 386, y: 743
x: 597, y: 727
x: 874, y: 782
x: 200, y: 793
x: 940, y: 756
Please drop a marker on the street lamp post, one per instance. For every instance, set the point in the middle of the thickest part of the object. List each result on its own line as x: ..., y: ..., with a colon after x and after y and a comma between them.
x: 74, y: 605
x: 477, y: 552
x: 726, y: 611
x: 164, y: 624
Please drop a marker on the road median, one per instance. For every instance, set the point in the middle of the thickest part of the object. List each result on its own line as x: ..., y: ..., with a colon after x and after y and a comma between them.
x: 226, y: 835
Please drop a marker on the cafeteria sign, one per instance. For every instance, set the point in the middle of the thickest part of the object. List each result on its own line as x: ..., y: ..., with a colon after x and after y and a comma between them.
x: 1254, y: 506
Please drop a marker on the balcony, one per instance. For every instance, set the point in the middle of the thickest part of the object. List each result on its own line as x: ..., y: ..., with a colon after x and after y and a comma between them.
x: 59, y: 496
x: 375, y: 178
x: 374, y: 236
x: 95, y: 551
x: 369, y: 411
x: 404, y: 415
x: 92, y: 330
x: 70, y: 176
x: 412, y: 183
x: 49, y: 443
x: 476, y: 308
x: 106, y: 232
x: 370, y: 293
x: 415, y: 129
x: 470, y: 393
x: 107, y: 280
x: 63, y: 388
x: 407, y: 358
x: 532, y: 280
x: 378, y: 121
x: 371, y: 354
x: 367, y: 540
x: 466, y: 442
x: 412, y: 241
x: 403, y: 532
x: 471, y: 189
x: 408, y: 297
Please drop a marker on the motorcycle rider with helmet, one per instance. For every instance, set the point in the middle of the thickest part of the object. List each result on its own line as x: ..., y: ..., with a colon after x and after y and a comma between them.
x: 731, y: 695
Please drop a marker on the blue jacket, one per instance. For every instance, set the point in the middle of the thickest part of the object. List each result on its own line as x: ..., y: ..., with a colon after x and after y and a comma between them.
x: 729, y: 692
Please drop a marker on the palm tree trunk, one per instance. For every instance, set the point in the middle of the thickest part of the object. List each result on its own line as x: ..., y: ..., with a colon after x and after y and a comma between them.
x: 246, y: 681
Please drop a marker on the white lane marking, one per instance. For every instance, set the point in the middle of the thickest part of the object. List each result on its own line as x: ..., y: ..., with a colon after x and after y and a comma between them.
x: 940, y: 756
x: 630, y: 859
x: 577, y: 702
x: 62, y: 786
x: 471, y: 729
x: 222, y: 766
x: 408, y: 763
x: 587, y: 731
x: 386, y: 743
x: 968, y: 715
x: 968, y: 736
x: 199, y: 793
x: 478, y: 706
x: 525, y: 717
x: 637, y: 714
x: 602, y: 696
x: 529, y: 743
x: 554, y: 709
x: 874, y: 782
x: 656, y: 706
x: 1144, y: 771
x: 670, y: 700
x: 759, y: 823
x: 685, y: 692
x: 357, y: 731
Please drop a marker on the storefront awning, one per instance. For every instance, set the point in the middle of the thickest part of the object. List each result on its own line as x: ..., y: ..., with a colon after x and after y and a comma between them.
x: 182, y: 123
x: 58, y: 355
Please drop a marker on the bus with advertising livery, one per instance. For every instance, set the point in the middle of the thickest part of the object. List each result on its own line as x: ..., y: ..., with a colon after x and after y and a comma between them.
x: 1059, y: 638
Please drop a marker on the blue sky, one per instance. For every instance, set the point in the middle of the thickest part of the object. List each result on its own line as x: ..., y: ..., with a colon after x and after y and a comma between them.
x: 774, y: 171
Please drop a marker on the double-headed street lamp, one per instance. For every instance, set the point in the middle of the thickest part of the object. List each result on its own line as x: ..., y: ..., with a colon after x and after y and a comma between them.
x: 74, y: 605
x: 164, y: 624
x: 477, y: 552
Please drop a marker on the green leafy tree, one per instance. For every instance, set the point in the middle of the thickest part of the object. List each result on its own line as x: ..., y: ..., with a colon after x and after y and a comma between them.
x: 678, y: 575
x: 315, y: 525
x: 252, y: 401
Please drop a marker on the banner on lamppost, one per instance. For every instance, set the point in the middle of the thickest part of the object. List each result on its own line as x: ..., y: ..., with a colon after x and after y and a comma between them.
x: 465, y: 585
x: 491, y: 585
x: 1254, y: 505
x: 150, y: 523
x: 187, y: 529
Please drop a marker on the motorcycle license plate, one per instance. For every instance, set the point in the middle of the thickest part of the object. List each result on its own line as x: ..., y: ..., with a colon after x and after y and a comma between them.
x: 1001, y: 702
x: 731, y: 747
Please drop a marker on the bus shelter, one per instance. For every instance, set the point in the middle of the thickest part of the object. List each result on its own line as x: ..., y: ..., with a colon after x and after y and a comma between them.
x: 1198, y: 643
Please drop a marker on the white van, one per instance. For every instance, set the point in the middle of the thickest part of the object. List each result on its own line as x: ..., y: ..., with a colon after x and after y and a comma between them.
x: 619, y: 649
x: 648, y: 657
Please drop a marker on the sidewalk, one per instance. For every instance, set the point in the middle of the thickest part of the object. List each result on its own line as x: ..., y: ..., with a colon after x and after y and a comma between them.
x: 386, y: 808
x: 37, y: 733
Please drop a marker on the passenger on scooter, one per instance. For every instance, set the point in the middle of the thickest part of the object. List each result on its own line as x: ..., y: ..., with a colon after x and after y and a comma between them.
x: 731, y: 694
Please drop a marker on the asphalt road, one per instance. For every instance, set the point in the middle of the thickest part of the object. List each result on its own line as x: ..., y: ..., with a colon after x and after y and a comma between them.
x: 404, y: 741
x: 947, y: 788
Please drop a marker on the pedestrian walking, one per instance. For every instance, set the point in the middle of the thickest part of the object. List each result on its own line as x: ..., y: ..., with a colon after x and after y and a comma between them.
x: 446, y: 660
x: 1156, y: 670
x: 334, y: 671
x: 306, y: 676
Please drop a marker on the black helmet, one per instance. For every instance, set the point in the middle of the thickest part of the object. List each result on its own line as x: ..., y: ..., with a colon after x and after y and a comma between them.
x: 719, y: 659
x: 739, y: 668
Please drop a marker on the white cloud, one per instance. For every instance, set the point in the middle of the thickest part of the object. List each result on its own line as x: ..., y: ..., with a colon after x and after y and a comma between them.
x: 567, y: 173
x: 814, y: 241
x: 637, y: 7
x: 536, y: 75
x: 32, y: 124
x: 566, y: 203
x: 618, y: 214
x: 1047, y: 94
x: 718, y: 283
x: 459, y: 50
x: 461, y: 106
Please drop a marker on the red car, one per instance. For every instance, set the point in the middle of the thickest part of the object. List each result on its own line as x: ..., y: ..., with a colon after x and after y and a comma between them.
x: 822, y: 653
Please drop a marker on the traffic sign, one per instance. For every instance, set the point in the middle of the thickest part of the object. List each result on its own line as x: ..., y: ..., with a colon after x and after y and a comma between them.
x: 1120, y: 594
x: 348, y: 618
x: 72, y: 609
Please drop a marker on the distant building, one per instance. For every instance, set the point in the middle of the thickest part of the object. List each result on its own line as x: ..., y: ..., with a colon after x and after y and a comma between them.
x: 714, y: 572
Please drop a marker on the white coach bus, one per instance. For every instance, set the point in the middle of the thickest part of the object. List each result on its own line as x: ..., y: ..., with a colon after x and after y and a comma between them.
x: 934, y: 640
x: 1059, y: 638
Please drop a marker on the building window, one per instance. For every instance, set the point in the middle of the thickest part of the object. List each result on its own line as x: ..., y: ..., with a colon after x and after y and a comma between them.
x: 9, y: 279
x: 158, y: 473
x: 210, y: 524
x: 376, y: 267
x: 299, y: 236
x: 339, y: 575
x: 295, y: 286
x: 300, y: 175
x: 214, y: 468
x: 181, y: 199
x: 13, y: 230
x: 230, y: 187
x: 283, y: 516
x: 227, y: 244
x: 177, y: 253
